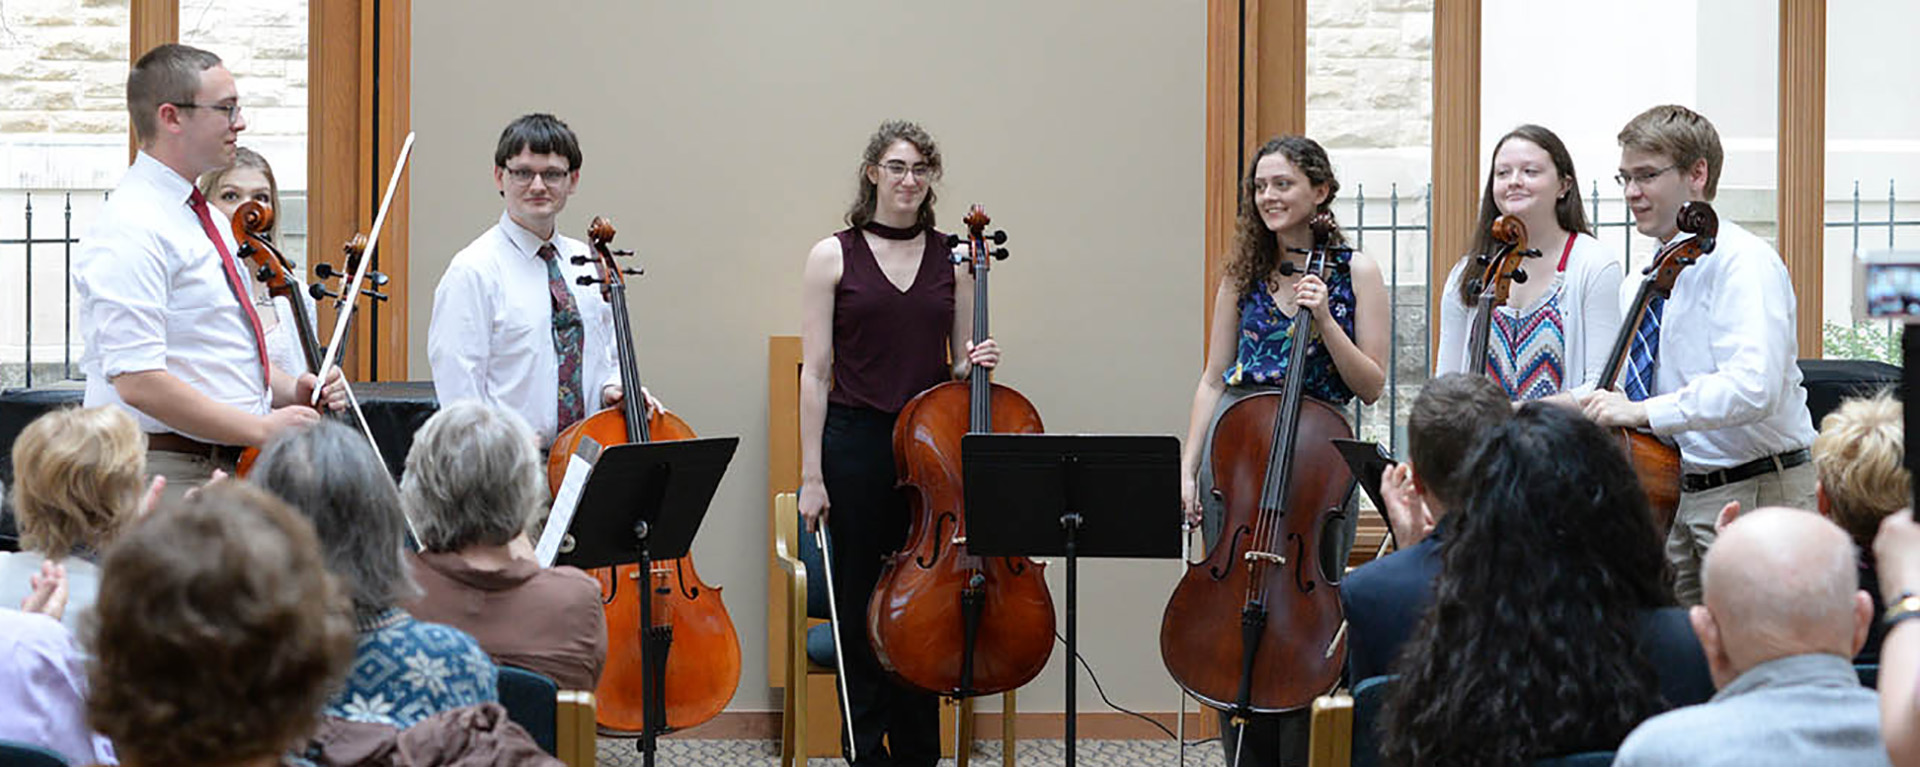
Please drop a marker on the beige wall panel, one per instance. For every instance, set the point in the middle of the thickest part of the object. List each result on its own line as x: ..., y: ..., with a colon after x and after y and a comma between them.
x: 722, y: 139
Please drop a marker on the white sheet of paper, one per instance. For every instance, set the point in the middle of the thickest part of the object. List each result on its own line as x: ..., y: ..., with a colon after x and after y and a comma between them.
x: 560, y: 517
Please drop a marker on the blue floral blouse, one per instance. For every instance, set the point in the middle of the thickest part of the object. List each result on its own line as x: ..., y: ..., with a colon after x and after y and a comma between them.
x: 1266, y: 342
x: 405, y: 670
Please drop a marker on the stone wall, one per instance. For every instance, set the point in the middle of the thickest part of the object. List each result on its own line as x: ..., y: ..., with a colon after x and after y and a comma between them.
x: 63, y: 71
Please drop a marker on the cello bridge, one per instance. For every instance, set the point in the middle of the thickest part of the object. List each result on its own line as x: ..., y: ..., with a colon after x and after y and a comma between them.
x: 1265, y: 556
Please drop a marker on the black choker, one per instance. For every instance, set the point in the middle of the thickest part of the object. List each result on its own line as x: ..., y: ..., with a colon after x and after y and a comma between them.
x: 893, y: 233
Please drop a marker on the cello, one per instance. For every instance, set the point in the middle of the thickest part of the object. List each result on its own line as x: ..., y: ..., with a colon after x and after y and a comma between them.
x: 251, y: 222
x: 942, y: 619
x: 1499, y: 270
x: 697, y: 652
x: 1284, y: 486
x: 1655, y: 462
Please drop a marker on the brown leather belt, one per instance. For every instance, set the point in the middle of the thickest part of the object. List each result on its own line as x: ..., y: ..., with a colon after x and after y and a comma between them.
x: 178, y: 443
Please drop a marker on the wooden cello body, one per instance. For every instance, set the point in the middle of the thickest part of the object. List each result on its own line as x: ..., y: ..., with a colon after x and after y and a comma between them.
x: 701, y: 668
x: 1656, y: 463
x: 1256, y: 627
x: 942, y: 619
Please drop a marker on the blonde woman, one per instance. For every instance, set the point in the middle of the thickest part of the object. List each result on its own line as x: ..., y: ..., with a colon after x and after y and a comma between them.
x: 1861, y: 477
x: 78, y: 476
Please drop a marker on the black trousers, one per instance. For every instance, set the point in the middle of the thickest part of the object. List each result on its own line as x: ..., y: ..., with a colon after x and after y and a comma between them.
x: 867, y: 520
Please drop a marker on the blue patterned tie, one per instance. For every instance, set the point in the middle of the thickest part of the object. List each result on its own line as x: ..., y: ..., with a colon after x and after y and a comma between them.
x: 1640, y: 357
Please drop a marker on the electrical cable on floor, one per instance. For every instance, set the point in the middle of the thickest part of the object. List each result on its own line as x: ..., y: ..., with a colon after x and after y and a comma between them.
x: 1117, y: 707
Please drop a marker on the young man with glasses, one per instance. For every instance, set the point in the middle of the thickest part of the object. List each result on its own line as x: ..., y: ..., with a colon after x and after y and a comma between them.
x: 510, y: 310
x: 165, y: 309
x: 1712, y: 369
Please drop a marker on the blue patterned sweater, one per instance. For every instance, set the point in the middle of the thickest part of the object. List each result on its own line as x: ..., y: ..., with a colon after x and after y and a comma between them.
x: 405, y: 670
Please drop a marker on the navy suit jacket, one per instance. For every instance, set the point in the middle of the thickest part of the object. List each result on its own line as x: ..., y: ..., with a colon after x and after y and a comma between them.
x: 1384, y: 600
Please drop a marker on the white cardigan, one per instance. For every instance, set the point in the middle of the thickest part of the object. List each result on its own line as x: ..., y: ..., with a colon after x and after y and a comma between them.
x: 1589, y: 305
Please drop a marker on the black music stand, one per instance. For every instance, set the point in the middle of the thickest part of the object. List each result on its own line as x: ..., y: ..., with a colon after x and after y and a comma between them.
x: 1064, y: 495
x: 1366, y: 461
x: 644, y: 501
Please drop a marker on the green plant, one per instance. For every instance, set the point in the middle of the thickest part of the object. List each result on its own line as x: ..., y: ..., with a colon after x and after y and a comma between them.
x: 1868, y: 340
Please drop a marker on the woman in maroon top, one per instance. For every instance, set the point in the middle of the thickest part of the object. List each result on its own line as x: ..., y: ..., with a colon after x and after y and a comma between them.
x: 883, y: 310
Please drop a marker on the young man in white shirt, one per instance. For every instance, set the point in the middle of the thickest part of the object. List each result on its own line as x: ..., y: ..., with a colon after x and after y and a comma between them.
x: 494, y: 335
x: 170, y: 329
x: 1724, y: 381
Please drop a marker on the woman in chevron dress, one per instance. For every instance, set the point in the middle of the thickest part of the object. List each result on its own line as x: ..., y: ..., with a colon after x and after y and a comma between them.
x: 1552, y: 336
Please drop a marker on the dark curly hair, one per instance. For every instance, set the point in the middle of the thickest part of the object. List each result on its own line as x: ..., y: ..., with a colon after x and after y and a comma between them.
x: 218, y: 633
x: 866, y: 193
x: 1531, y: 646
x: 1566, y: 208
x: 1256, y: 251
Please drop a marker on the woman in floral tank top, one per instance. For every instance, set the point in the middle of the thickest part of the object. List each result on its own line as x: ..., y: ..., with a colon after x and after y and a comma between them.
x: 1264, y: 293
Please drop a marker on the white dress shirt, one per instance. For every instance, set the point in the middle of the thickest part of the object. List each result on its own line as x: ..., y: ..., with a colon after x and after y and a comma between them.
x: 491, y: 338
x: 1727, y: 386
x: 154, y: 296
x: 1589, y: 307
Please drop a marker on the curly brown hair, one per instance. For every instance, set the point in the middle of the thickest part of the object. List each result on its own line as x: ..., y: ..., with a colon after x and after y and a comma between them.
x: 867, y: 194
x: 1256, y: 251
x: 218, y: 633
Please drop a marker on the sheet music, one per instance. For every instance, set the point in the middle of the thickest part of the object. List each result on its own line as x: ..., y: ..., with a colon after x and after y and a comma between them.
x: 566, y: 501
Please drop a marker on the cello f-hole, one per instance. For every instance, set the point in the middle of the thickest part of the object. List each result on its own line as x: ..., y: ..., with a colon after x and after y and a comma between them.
x: 1300, y: 579
x: 1233, y: 544
x: 939, y: 524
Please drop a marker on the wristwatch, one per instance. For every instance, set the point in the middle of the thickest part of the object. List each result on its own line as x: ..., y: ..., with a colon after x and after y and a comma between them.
x: 1907, y: 606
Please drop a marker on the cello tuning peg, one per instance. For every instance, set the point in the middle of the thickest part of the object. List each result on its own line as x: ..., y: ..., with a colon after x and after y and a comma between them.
x: 1530, y: 253
x: 1519, y: 275
x: 325, y: 271
x: 320, y: 292
x: 584, y: 280
x: 375, y: 295
x: 633, y: 272
x: 580, y: 260
x: 378, y: 279
x: 999, y: 254
x: 1481, y: 259
x: 623, y: 252
x: 262, y: 274
x: 953, y: 240
x: 999, y: 237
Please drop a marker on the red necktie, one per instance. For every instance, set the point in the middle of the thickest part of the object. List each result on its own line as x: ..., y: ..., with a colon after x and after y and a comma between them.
x: 199, y: 203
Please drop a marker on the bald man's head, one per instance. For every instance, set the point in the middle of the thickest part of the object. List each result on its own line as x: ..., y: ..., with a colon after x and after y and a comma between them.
x: 1780, y: 582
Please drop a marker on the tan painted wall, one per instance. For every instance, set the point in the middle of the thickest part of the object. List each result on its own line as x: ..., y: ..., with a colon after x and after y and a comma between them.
x: 723, y: 140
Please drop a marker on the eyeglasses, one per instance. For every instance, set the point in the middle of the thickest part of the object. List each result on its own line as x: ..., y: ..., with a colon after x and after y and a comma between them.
x: 897, y: 169
x: 1642, y: 178
x: 232, y: 110
x: 551, y: 176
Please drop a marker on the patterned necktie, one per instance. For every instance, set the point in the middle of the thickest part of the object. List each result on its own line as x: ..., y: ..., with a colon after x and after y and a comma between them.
x: 568, y: 336
x: 239, y: 286
x: 1641, y: 356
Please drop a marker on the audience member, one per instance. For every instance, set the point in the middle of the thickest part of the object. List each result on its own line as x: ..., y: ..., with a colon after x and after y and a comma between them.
x: 218, y: 633
x: 1385, y: 598
x: 1782, y: 618
x: 1860, y: 462
x: 1897, y: 552
x: 1552, y: 630
x: 474, y: 478
x: 43, y: 678
x: 78, y: 476
x: 404, y: 669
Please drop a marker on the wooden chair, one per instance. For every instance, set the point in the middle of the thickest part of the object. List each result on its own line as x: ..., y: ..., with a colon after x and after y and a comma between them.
x: 810, y: 711
x: 560, y: 721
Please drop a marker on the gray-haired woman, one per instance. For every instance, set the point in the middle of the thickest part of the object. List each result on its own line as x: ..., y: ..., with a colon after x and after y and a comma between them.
x: 404, y: 669
x: 473, y: 481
